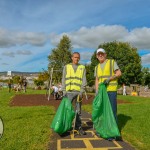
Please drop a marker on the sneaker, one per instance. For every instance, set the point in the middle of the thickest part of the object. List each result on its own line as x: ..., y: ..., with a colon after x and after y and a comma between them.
x: 111, y: 139
x: 81, y: 131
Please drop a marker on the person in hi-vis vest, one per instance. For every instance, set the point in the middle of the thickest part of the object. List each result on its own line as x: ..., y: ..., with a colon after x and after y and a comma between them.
x: 108, y: 72
x: 73, y: 86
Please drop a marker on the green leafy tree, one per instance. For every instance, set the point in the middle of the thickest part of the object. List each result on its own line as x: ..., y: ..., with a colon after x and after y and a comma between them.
x: 43, y: 76
x: 16, y: 79
x: 127, y: 59
x: 146, y: 77
x: 38, y: 82
x: 59, y: 57
x: 89, y: 75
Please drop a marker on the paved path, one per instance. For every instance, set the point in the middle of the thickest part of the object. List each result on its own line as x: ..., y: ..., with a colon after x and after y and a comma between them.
x: 70, y: 141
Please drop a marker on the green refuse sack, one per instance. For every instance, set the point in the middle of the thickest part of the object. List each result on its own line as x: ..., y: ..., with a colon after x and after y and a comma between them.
x: 102, y: 115
x: 64, y: 116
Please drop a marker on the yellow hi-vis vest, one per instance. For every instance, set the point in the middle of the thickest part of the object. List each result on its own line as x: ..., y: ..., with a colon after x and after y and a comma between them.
x: 74, y: 79
x: 106, y: 73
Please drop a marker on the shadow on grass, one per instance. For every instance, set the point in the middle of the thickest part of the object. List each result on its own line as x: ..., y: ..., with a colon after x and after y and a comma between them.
x: 122, y: 120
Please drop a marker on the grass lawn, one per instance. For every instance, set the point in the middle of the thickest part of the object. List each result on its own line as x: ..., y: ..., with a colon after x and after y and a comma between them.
x: 133, y: 120
x: 28, y: 128
x: 25, y: 128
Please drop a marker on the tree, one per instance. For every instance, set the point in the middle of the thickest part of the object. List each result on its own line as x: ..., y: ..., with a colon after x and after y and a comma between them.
x: 146, y: 77
x: 16, y: 79
x: 38, y: 82
x: 127, y: 59
x: 59, y: 57
x: 43, y: 76
x: 89, y: 75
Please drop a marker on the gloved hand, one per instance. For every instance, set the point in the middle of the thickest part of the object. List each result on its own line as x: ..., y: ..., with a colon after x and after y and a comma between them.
x: 106, y: 82
x: 64, y: 93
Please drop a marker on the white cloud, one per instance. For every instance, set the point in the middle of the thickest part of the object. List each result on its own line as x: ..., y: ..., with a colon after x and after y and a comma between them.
x: 82, y: 38
x: 85, y: 38
x: 13, y: 38
x: 139, y: 37
x: 94, y: 36
x: 146, y: 59
x: 9, y: 54
x: 24, y: 52
x: 18, y: 52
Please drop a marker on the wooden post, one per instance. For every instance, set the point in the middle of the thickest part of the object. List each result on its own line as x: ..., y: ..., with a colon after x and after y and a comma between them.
x: 51, y: 76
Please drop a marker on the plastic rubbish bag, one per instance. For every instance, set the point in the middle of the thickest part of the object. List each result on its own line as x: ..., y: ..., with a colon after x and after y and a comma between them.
x: 102, y: 115
x: 64, y: 116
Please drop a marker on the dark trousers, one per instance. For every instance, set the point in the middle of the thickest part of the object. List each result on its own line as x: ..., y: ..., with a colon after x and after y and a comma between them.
x: 9, y: 89
x: 113, y: 101
x: 73, y: 97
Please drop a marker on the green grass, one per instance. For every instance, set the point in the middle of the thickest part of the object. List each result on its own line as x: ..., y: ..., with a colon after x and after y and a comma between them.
x: 28, y: 128
x: 133, y: 120
x: 25, y: 128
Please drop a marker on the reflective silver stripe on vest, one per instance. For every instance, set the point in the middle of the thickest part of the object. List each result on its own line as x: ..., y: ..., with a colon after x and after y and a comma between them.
x: 110, y: 67
x: 73, y: 84
x: 73, y: 78
x: 103, y: 77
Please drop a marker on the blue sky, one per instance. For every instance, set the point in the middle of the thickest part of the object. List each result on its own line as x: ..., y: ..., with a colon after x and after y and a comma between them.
x: 29, y: 29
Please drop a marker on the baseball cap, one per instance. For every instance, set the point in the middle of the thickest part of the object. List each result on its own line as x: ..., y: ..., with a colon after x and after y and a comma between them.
x: 100, y: 50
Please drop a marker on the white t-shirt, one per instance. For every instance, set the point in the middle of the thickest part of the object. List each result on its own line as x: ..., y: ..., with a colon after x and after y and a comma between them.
x: 55, y: 88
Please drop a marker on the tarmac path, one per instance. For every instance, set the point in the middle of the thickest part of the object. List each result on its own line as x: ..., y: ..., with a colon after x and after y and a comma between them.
x: 90, y: 141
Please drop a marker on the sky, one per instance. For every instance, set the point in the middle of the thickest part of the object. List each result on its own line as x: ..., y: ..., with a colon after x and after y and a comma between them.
x: 30, y: 29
